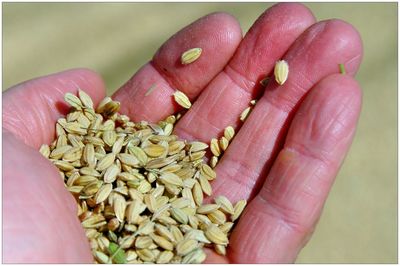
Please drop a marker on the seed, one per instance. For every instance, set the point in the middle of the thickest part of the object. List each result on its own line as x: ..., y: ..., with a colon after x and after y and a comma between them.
x: 281, y: 71
x: 217, y: 217
x: 215, y: 235
x: 220, y: 249
x: 215, y: 147
x: 205, y: 185
x: 226, y: 227
x: 119, y: 207
x: 165, y: 257
x: 238, y: 209
x: 197, y: 235
x: 162, y: 242
x: 198, y: 146
x: 190, y: 55
x: 45, y: 150
x: 197, y: 194
x: 223, y: 143
x: 91, y: 188
x: 213, y: 161
x: 154, y: 150
x: 171, y: 179
x: 195, y: 257
x: 101, y: 257
x: 207, y: 208
x: 225, y: 204
x: 186, y: 246
x: 229, y: 132
x: 73, y: 101
x: 182, y: 99
x: 139, y: 154
x: 164, y: 232
x: 179, y: 215
x: 245, y: 114
x: 208, y: 172
x: 105, y: 162
x: 146, y: 255
x: 143, y: 242
x: 128, y: 159
x: 111, y: 173
x: 103, y: 193
x: 85, y: 99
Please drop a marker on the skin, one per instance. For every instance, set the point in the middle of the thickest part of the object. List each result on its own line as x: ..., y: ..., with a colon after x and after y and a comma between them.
x: 283, y: 160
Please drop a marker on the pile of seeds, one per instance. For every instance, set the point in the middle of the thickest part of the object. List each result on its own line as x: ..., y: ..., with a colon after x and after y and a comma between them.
x: 139, y: 188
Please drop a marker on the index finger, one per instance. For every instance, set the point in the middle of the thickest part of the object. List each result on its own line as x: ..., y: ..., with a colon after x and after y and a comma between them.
x: 147, y: 95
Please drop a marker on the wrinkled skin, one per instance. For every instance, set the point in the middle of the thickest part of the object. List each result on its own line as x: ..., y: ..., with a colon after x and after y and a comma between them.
x: 283, y: 160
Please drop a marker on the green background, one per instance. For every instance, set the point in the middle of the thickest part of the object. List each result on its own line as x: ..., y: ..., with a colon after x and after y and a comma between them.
x: 359, y: 223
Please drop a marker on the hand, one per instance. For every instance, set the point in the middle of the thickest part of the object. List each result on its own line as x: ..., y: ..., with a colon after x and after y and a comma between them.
x: 283, y: 159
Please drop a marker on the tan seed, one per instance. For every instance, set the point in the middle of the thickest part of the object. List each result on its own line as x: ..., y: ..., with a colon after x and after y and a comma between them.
x: 220, y: 249
x: 195, y: 257
x: 207, y: 208
x: 215, y: 147
x: 171, y: 179
x: 165, y: 257
x: 225, y: 204
x: 45, y: 150
x: 245, y: 114
x: 73, y: 101
x: 190, y: 56
x: 179, y: 215
x: 208, y: 172
x: 205, y: 185
x: 215, y: 235
x: 186, y: 246
x: 162, y: 242
x: 229, y: 133
x: 213, y: 161
x: 111, y: 173
x: 198, y: 146
x: 182, y: 99
x: 217, y: 217
x: 197, y: 194
x: 143, y: 242
x: 223, y: 143
x: 146, y: 255
x: 103, y: 193
x: 105, y: 162
x: 238, y: 209
x: 119, y: 207
x: 281, y: 71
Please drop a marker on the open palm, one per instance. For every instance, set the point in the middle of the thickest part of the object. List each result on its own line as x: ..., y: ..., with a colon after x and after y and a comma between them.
x: 283, y: 160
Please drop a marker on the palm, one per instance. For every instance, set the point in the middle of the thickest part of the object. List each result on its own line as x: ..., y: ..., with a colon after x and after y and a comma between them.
x: 283, y: 159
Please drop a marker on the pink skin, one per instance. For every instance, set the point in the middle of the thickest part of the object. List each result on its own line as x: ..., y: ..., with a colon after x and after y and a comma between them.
x: 284, y: 159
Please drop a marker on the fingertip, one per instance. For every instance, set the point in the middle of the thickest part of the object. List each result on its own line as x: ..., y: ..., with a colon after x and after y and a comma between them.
x: 296, y: 10
x: 348, y: 41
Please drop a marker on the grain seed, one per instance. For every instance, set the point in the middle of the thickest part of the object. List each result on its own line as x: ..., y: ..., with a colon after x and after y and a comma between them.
x: 281, y: 71
x: 182, y: 99
x: 190, y: 56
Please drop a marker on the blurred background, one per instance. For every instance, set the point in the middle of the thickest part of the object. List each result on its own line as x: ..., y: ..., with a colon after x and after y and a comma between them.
x: 359, y: 222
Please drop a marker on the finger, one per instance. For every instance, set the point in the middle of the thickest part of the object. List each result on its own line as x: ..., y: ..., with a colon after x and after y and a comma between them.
x: 230, y: 92
x: 31, y: 109
x: 314, y: 55
x: 148, y: 94
x: 39, y: 215
x: 284, y: 213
